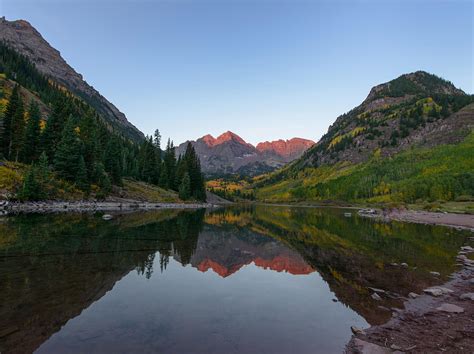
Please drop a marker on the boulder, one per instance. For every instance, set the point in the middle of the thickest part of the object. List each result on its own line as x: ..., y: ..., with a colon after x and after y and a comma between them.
x: 362, y: 346
x: 467, y: 296
x: 437, y: 291
x: 376, y: 296
x: 450, y: 308
x: 357, y: 330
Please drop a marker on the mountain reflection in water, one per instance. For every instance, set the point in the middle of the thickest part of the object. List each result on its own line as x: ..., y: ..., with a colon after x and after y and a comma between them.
x: 268, y: 278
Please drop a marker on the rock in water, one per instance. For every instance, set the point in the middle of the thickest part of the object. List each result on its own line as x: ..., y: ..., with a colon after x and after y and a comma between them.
x: 437, y: 291
x: 357, y: 330
x: 436, y: 274
x: 366, y: 347
x: 376, y: 296
x: 467, y: 296
x: 412, y: 295
x: 107, y: 217
x: 450, y: 308
x: 375, y: 290
x: 467, y: 248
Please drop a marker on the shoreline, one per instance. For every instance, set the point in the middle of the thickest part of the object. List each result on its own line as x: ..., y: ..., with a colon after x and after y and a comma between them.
x: 458, y: 221
x: 45, y: 207
x: 433, y: 322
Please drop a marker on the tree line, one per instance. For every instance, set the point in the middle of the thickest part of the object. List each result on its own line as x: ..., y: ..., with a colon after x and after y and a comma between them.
x: 75, y: 144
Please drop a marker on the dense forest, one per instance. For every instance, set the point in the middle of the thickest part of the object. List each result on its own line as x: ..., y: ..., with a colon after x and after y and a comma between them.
x: 73, y: 143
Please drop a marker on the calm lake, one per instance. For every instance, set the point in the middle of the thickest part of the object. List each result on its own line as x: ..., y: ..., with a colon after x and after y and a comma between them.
x: 256, y: 279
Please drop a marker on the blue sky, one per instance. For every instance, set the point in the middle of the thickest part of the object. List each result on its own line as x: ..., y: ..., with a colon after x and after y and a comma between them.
x: 265, y: 69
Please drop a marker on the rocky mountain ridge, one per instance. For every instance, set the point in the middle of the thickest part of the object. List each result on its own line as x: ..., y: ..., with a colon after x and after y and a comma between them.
x: 230, y: 154
x: 26, y: 40
x: 407, y: 111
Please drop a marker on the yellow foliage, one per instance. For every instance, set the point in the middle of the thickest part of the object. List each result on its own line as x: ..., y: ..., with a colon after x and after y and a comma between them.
x: 335, y: 140
x: 10, y: 179
x: 356, y: 131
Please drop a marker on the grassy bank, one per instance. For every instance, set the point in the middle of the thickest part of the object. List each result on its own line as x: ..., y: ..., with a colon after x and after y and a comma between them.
x: 437, y: 179
x: 12, y: 177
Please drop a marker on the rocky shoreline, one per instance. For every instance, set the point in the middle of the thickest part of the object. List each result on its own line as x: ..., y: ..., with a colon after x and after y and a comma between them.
x: 458, y: 221
x: 7, y: 207
x: 440, y: 320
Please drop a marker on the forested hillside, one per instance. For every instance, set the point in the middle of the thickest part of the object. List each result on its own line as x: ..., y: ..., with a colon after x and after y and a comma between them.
x: 410, y: 141
x: 68, y: 145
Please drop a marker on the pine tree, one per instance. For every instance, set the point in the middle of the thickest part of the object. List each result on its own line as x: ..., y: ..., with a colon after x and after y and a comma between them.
x: 185, y: 187
x: 43, y: 169
x: 31, y: 146
x: 54, y: 127
x: 444, y: 110
x: 68, y: 152
x: 31, y: 187
x: 193, y: 167
x: 10, y: 111
x: 150, y: 168
x: 82, y: 180
x: 112, y: 161
x: 17, y: 131
x: 103, y: 181
x: 169, y: 163
x: 88, y: 135
x: 157, y: 139
x: 164, y: 177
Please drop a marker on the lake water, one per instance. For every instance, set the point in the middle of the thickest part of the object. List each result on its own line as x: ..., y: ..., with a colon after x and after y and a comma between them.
x: 257, y: 279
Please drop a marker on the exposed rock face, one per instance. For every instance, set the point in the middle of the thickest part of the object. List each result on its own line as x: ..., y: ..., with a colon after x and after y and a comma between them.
x: 287, y: 149
x: 25, y: 39
x: 229, y: 153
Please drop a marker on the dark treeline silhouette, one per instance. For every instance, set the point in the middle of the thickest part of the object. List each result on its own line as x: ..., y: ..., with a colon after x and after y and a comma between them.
x: 75, y: 144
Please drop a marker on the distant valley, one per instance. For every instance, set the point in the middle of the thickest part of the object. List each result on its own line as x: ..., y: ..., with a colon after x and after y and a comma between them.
x: 230, y: 154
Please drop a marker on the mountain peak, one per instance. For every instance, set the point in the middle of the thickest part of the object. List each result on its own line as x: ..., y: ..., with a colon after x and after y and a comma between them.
x: 289, y: 149
x: 22, y: 37
x: 411, y: 84
x: 209, y: 139
x: 229, y: 136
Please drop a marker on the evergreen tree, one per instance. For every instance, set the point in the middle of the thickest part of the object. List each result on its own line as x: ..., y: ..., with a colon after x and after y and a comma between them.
x: 68, y: 152
x: 112, y: 161
x: 149, y: 162
x: 169, y: 163
x: 444, y: 110
x: 53, y: 130
x: 31, y: 187
x: 17, y: 130
x: 82, y: 180
x: 185, y: 187
x: 89, y: 138
x: 103, y: 181
x: 31, y: 146
x: 43, y: 169
x: 10, y: 112
x: 157, y: 139
x: 193, y: 167
x: 164, y: 177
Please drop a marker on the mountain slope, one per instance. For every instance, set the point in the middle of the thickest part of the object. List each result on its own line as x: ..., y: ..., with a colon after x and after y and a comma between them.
x: 409, y: 140
x: 26, y: 40
x: 230, y: 154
